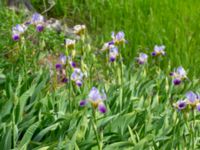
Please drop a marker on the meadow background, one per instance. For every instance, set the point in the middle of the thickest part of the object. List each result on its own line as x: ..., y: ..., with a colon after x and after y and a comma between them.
x: 33, y: 115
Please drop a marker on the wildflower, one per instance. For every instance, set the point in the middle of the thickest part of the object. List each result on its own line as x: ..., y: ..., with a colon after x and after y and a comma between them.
x: 61, y: 62
x: 113, y: 53
x: 191, y: 97
x: 179, y: 75
x: 96, y: 99
x: 60, y: 69
x: 83, y: 103
x: 70, y: 43
x: 17, y: 31
x: 73, y: 64
x: 61, y: 74
x: 158, y: 50
x: 107, y: 46
x: 77, y: 76
x: 180, y: 105
x: 177, y: 81
x: 119, y: 38
x: 39, y: 27
x: 58, y: 66
x: 142, y: 58
x: 37, y: 18
x: 79, y: 29
x: 38, y: 21
x: 63, y: 59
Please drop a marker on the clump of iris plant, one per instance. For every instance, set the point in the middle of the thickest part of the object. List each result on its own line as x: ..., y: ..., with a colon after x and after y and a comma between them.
x: 79, y: 29
x: 17, y: 31
x: 158, y: 50
x: 77, y: 77
x: 192, y: 101
x: 112, y: 46
x: 38, y: 21
x: 60, y: 70
x: 142, y: 59
x: 96, y: 99
x: 60, y: 66
x: 178, y: 75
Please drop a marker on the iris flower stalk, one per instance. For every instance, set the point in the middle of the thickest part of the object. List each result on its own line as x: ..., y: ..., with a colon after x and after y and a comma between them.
x: 96, y: 99
x: 94, y: 125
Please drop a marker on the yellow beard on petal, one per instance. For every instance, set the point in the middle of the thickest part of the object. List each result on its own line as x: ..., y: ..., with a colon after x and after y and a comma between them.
x: 95, y: 104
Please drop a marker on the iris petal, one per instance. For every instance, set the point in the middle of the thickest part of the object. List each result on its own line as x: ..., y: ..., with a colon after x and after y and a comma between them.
x: 83, y: 103
x: 102, y: 108
x: 181, y: 104
x: 191, y: 96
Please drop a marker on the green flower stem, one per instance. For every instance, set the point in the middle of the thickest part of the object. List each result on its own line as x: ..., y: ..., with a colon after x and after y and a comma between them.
x: 94, y: 125
x: 120, y: 79
x: 193, y: 129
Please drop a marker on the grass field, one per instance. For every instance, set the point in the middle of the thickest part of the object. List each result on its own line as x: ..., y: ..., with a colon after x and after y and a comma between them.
x: 50, y: 103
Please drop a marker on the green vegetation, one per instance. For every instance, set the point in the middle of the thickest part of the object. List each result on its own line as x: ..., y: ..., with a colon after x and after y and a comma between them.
x: 38, y: 112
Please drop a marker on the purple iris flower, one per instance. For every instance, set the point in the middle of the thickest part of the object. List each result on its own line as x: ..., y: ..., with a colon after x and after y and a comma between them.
x: 113, y: 53
x: 181, y: 71
x: 179, y: 75
x: 181, y: 104
x: 94, y: 94
x: 191, y: 97
x: 142, y: 58
x: 107, y: 46
x: 58, y: 66
x: 177, y: 81
x: 77, y: 76
x: 79, y: 83
x: 83, y: 103
x: 118, y: 38
x: 16, y: 37
x: 120, y: 35
x: 17, y: 31
x: 102, y: 108
x: 38, y: 21
x: 39, y: 27
x: 158, y: 50
x: 112, y: 59
x: 73, y: 64
x: 63, y: 59
x: 111, y: 43
x: 37, y: 18
x: 96, y: 98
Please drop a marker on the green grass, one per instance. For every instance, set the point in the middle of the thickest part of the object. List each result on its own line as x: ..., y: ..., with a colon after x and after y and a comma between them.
x: 146, y: 23
x: 36, y: 113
